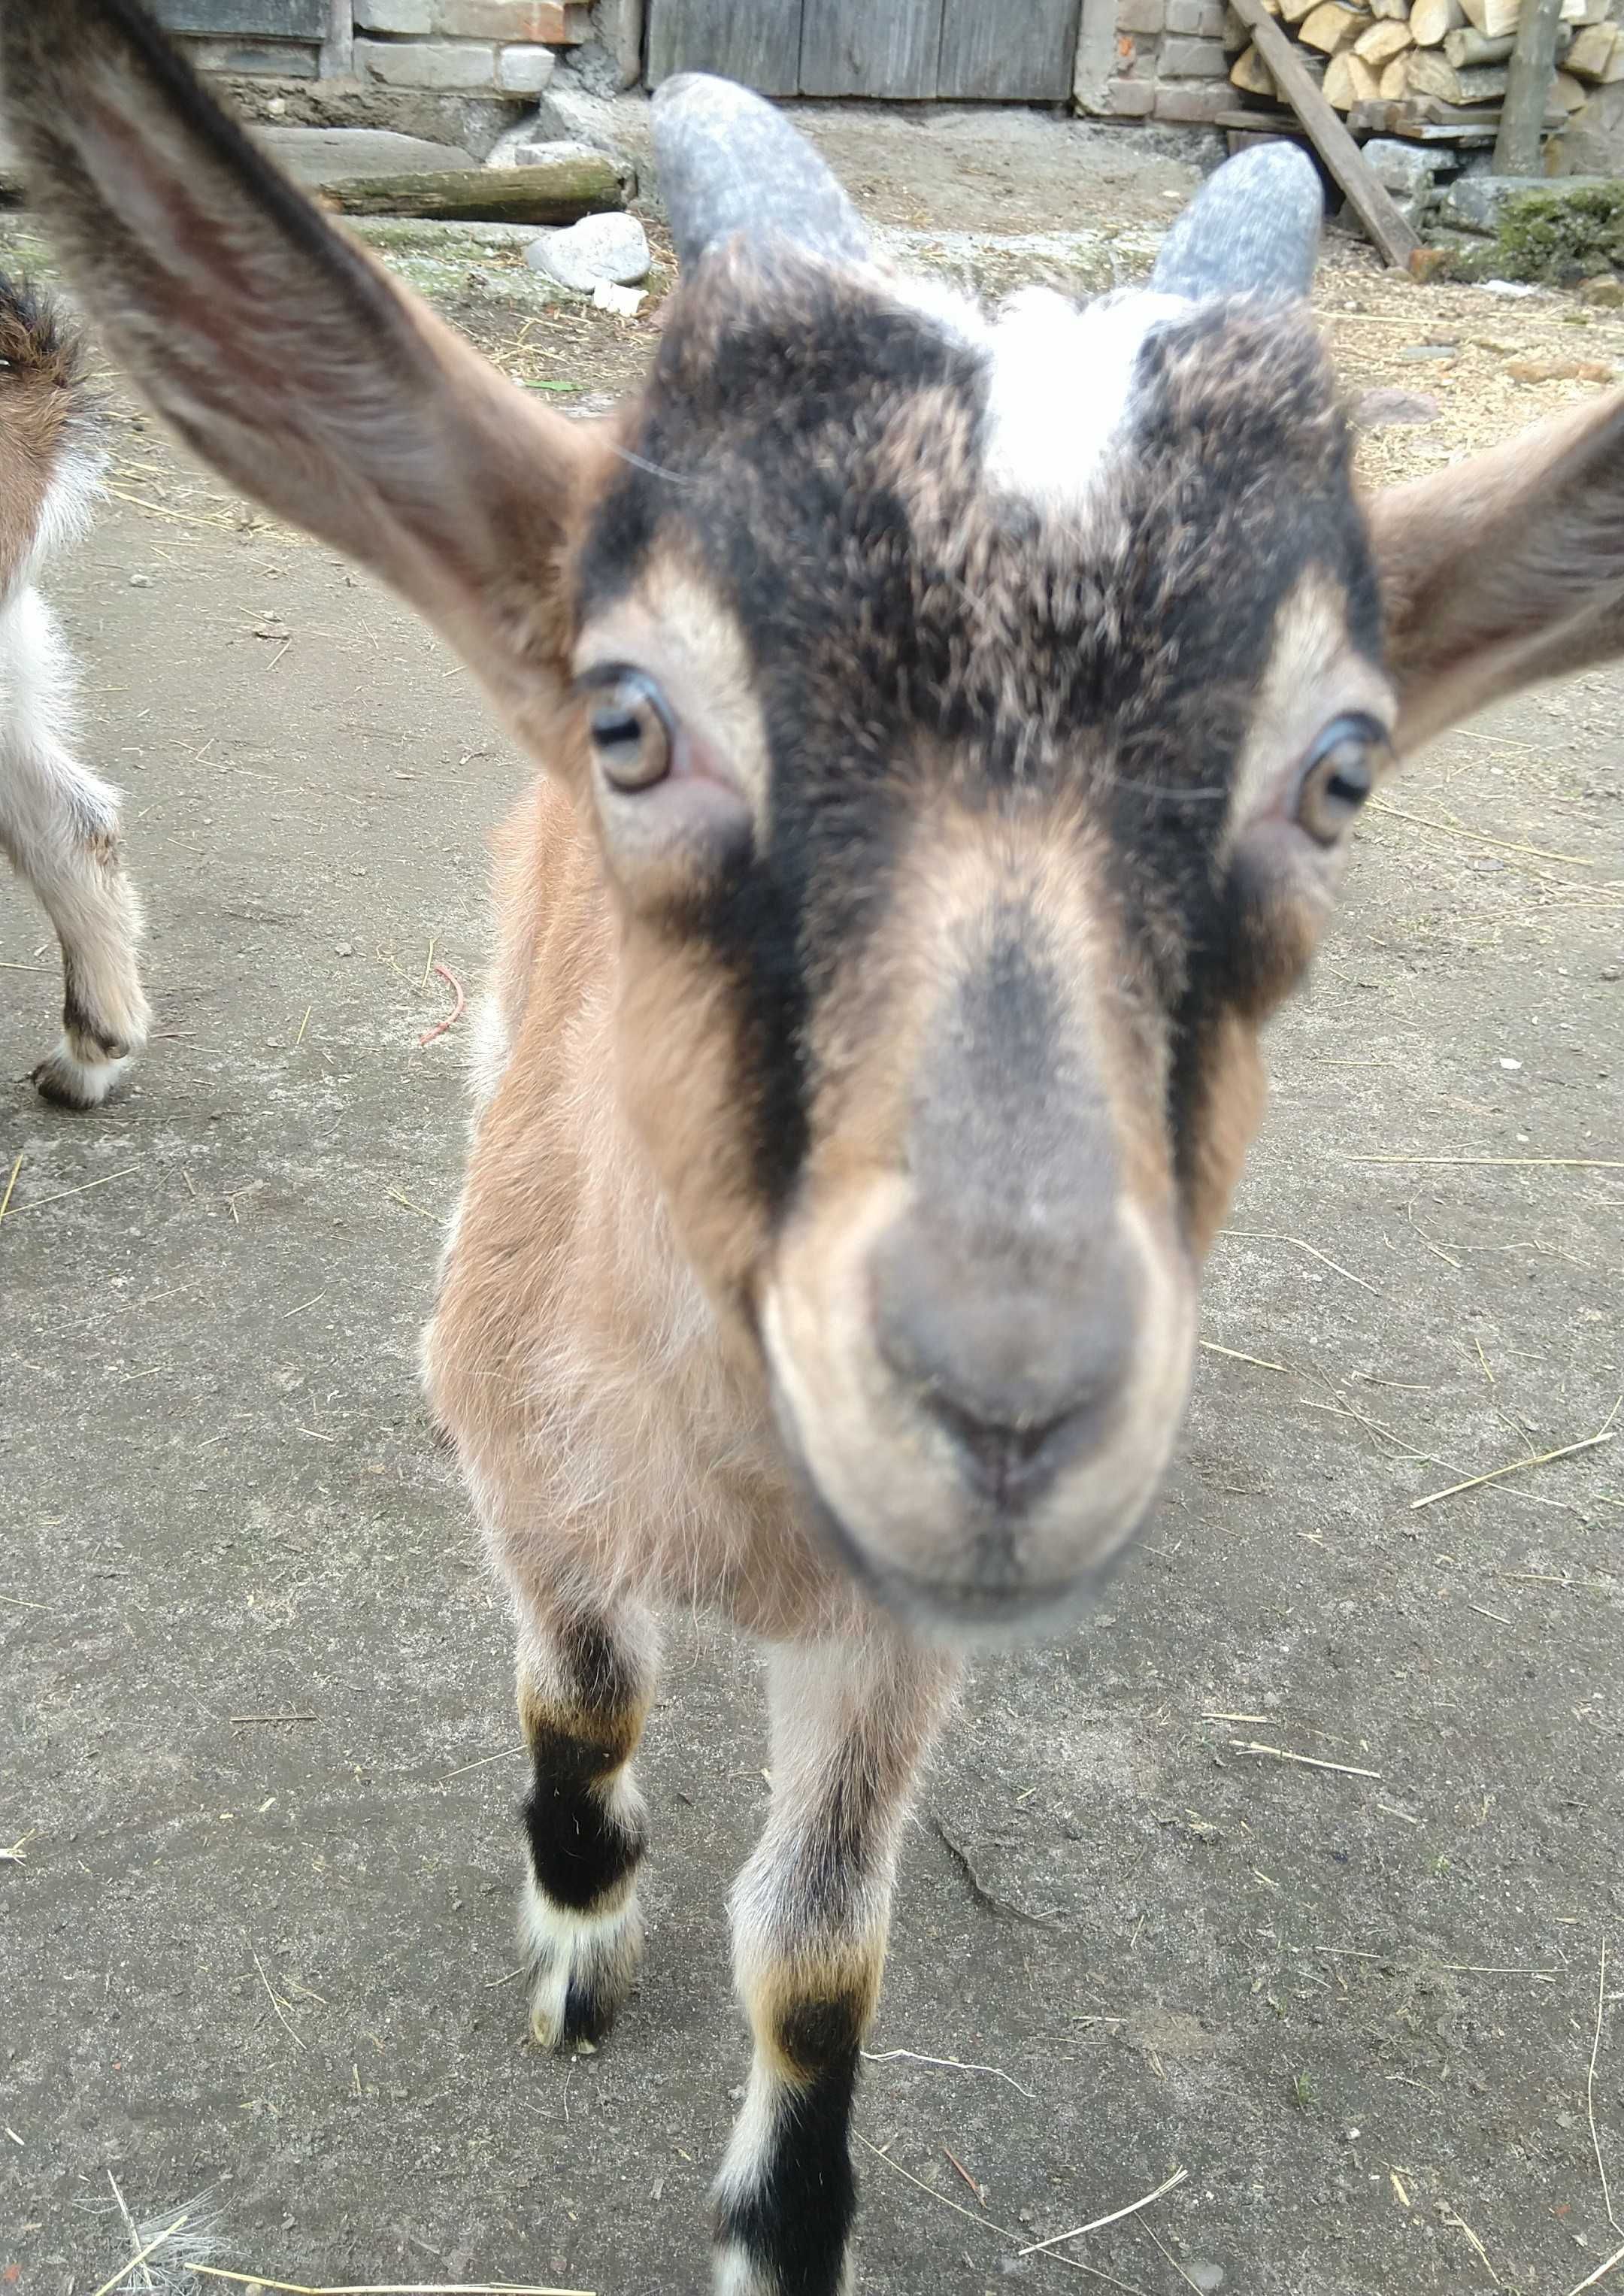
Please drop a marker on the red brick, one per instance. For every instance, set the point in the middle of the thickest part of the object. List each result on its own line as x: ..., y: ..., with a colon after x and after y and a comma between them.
x: 558, y: 22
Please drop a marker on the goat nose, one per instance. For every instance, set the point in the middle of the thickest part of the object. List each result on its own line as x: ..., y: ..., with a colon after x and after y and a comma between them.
x: 1019, y: 1369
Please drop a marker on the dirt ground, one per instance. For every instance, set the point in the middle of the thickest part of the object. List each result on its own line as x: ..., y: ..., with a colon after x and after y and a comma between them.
x: 258, y: 1785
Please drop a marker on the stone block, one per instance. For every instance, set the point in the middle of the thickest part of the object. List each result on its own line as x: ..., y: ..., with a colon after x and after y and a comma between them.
x: 1202, y: 19
x: 427, y: 64
x: 1129, y: 99
x: 515, y: 21
x: 1474, y: 204
x: 412, y: 18
x: 525, y: 70
x: 1141, y: 15
x: 1406, y: 170
x: 1193, y: 105
x: 1189, y: 58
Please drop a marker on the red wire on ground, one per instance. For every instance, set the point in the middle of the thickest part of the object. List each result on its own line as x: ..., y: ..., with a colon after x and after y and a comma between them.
x: 441, y: 1027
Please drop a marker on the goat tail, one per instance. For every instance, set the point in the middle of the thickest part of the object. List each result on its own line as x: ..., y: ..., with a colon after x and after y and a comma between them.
x: 53, y: 426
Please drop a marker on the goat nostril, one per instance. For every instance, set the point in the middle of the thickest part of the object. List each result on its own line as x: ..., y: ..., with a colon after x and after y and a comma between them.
x: 1010, y: 1462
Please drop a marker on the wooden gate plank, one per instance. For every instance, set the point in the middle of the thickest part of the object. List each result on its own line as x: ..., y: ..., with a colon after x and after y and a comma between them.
x: 259, y: 20
x: 756, y: 42
x: 1022, y: 52
x: 871, y: 47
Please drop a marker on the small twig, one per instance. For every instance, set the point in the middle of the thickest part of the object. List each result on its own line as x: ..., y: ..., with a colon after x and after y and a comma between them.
x: 382, y: 2287
x: 1571, y: 1163
x: 1098, y: 2224
x: 1601, y: 2166
x: 11, y: 1183
x: 395, y: 1197
x: 303, y: 1025
x: 1309, y: 1761
x: 1459, y: 2222
x: 1600, y: 2272
x: 1235, y: 1356
x: 457, y: 1010
x: 964, y: 2173
x: 13, y: 1856
x: 1072, y: 2263
x: 1517, y: 1466
x: 883, y: 2056
x: 1274, y: 1235
x: 272, y: 1718
x: 1480, y: 837
x: 37, y: 1203
x: 142, y: 2254
x: 129, y: 2227
x: 506, y: 1755
x: 275, y: 2005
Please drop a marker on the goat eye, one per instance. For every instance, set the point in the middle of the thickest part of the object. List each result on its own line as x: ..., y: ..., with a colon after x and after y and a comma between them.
x: 630, y: 730
x: 1338, y: 777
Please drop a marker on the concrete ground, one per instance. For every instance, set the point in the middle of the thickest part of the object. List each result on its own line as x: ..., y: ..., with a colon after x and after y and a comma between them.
x: 257, y: 1778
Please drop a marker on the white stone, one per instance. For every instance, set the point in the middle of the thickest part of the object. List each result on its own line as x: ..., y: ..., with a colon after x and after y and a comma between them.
x: 611, y: 249
x: 412, y: 17
x: 444, y: 64
x: 525, y: 70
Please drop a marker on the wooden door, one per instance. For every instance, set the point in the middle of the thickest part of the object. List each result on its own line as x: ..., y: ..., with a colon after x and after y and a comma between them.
x: 1011, y: 51
x: 259, y: 20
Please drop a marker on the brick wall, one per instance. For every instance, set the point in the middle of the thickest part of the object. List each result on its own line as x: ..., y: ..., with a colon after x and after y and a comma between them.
x: 1154, y: 60
x: 505, y: 48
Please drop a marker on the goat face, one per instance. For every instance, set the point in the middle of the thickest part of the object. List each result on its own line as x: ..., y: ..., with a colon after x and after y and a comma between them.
x: 975, y: 713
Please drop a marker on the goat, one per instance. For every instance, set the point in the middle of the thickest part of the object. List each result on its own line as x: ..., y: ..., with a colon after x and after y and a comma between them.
x: 59, y: 823
x: 950, y: 730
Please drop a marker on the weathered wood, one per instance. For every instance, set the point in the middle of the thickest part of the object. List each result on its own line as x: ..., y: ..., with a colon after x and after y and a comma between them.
x: 561, y: 191
x: 1248, y: 71
x: 757, y: 42
x: 1392, y: 12
x: 254, y: 20
x: 1529, y: 75
x: 1382, y: 42
x: 1004, y: 55
x: 1433, y: 74
x: 1567, y: 94
x: 852, y: 48
x: 1370, y: 202
x: 1394, y: 77
x: 1423, y: 119
x: 1431, y: 21
x: 1591, y: 51
x: 1261, y: 127
x: 1493, y: 18
x: 1332, y: 27
x: 1468, y: 45
x: 1349, y: 80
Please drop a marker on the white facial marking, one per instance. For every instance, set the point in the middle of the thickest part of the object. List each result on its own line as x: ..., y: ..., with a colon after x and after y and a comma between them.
x: 1061, y: 399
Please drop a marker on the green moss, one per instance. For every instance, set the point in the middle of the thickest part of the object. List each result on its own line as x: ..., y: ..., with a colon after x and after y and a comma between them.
x: 1557, y: 232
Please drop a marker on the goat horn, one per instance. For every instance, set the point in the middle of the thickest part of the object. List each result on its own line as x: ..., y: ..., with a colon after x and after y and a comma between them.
x: 1252, y: 228
x: 729, y: 163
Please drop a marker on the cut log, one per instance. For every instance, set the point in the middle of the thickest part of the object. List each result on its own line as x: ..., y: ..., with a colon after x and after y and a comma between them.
x: 1349, y: 80
x: 1431, y: 74
x: 1369, y: 200
x: 1493, y: 18
x: 1332, y: 27
x: 578, y: 183
x: 1615, y: 69
x: 1432, y: 20
x: 1568, y: 94
x: 1591, y: 51
x: 1249, y: 72
x: 1292, y: 12
x: 1395, y: 79
x: 1394, y: 11
x: 1383, y: 43
x: 1588, y: 11
x: 1470, y: 46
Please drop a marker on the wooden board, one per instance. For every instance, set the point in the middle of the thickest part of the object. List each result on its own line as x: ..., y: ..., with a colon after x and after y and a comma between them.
x: 1023, y: 52
x: 254, y: 20
x: 1370, y: 202
x: 757, y: 42
x: 876, y: 47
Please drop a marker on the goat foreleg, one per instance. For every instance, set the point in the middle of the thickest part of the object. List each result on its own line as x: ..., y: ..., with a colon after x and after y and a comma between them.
x: 851, y: 1724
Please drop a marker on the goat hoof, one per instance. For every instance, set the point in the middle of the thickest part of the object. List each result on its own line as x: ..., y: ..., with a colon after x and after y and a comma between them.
x: 70, y: 1082
x: 583, y: 1969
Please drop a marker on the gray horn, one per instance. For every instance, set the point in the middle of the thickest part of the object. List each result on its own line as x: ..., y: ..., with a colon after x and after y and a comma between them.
x: 1252, y: 228
x: 729, y: 163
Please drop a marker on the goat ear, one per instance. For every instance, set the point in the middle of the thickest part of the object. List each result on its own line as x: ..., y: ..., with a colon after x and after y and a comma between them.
x: 1505, y: 570
x: 278, y: 349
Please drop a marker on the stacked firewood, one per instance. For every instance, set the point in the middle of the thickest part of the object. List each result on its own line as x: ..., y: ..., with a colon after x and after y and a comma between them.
x: 1452, y: 51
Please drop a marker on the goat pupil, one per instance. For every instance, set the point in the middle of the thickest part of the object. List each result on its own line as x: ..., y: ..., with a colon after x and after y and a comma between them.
x: 1350, y: 783
x: 614, y: 729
